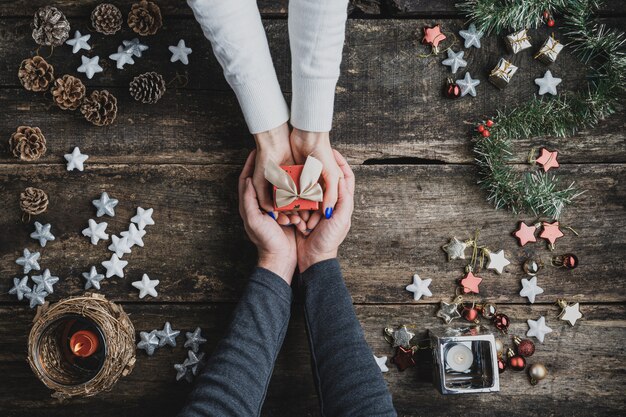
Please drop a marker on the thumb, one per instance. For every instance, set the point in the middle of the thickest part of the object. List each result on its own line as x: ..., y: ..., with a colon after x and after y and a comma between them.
x: 331, y: 182
x: 263, y: 193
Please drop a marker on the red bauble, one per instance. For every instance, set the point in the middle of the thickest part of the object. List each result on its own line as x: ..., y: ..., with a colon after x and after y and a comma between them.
x: 470, y: 314
x: 501, y: 365
x: 551, y: 22
x: 546, y: 14
x: 517, y: 363
x: 501, y: 321
x: 526, y: 348
x: 451, y: 90
x: 489, y: 123
x: 486, y: 133
x: 403, y: 359
x: 480, y: 128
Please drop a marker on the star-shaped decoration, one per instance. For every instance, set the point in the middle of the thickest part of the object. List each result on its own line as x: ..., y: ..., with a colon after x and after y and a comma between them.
x: 75, y: 160
x: 42, y: 234
x: 402, y: 337
x: 92, y: 278
x: 134, y: 235
x: 96, y: 231
x: 114, y: 266
x: 448, y: 312
x: 525, y: 233
x: 471, y: 36
x: 455, y: 60
x: 180, y: 52
x: 134, y: 47
x: 419, y: 287
x: 551, y: 232
x: 570, y: 313
x: 530, y: 289
x: 455, y: 249
x: 538, y: 328
x: 194, y: 361
x: 146, y: 286
x: 470, y: 283
x: 29, y: 261
x: 79, y: 42
x: 194, y: 339
x: 497, y: 261
x: 468, y: 85
x: 90, y: 66
x: 149, y: 342
x: 105, y: 205
x: 45, y: 281
x: 403, y: 358
x: 36, y: 297
x: 143, y: 218
x: 122, y: 57
x: 433, y: 36
x: 20, y: 288
x: 182, y: 371
x: 167, y: 336
x: 382, y: 363
x: 119, y: 246
x: 547, y: 84
x: 548, y: 159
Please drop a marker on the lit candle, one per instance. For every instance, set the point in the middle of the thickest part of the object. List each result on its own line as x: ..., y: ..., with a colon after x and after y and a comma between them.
x: 83, y: 343
x: 459, y: 358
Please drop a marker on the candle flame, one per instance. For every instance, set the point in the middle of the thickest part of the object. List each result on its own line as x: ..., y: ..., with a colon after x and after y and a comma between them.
x: 77, y: 347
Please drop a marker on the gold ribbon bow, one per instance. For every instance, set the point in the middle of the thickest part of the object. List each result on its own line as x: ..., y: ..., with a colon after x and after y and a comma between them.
x: 286, y: 190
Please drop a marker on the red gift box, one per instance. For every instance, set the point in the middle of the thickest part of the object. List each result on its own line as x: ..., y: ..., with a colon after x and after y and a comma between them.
x: 294, y: 172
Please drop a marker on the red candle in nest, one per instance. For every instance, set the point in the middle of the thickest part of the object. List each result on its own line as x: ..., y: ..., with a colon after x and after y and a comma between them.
x: 83, y: 343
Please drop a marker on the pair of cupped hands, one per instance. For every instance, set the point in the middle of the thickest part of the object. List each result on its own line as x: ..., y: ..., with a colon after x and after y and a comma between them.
x: 316, y: 236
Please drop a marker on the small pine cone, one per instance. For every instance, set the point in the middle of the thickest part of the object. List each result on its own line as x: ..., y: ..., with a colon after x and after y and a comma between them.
x: 28, y: 143
x: 35, y: 74
x: 100, y: 108
x: 33, y: 201
x: 148, y: 87
x: 106, y: 18
x: 50, y: 27
x: 68, y: 92
x: 145, y: 18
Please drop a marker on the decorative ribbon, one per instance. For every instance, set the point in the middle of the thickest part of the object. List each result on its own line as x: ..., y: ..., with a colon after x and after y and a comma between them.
x: 286, y: 190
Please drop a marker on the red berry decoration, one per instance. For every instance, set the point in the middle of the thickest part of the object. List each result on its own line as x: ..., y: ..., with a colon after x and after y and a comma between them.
x: 551, y: 22
x: 516, y: 362
x: 501, y: 365
x: 489, y: 123
x: 486, y: 133
x: 525, y: 347
x: 502, y: 322
x: 470, y: 314
x: 546, y: 14
x: 451, y: 90
x: 480, y: 128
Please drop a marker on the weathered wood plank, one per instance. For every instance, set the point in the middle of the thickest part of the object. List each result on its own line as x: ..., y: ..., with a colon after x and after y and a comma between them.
x: 582, y: 360
x: 198, y: 250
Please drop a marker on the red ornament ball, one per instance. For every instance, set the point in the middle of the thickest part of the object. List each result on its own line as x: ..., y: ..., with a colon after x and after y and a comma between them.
x: 490, y: 123
x: 551, y: 22
x: 480, y: 128
x: 451, y: 90
x: 517, y: 363
x: 526, y: 348
x: 546, y: 14
x: 502, y: 322
x: 501, y: 365
x: 470, y: 314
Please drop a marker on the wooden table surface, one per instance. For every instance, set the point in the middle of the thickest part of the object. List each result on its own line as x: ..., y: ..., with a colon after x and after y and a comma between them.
x: 416, y: 187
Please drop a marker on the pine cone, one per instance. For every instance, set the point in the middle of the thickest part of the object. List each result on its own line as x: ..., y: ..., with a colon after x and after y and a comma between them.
x: 148, y: 87
x: 35, y: 74
x: 33, y: 201
x: 50, y: 27
x: 145, y: 18
x: 28, y: 143
x: 100, y: 108
x: 106, y: 18
x: 68, y: 92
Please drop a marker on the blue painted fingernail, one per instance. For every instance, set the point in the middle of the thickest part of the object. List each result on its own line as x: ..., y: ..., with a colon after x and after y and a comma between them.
x: 328, y: 212
x: 271, y: 214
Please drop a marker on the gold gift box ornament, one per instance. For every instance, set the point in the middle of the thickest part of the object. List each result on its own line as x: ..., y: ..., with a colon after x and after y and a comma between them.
x: 501, y: 75
x: 518, y: 41
x: 549, y: 51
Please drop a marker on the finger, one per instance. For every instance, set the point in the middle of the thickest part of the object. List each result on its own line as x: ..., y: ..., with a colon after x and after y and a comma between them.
x: 263, y: 192
x: 348, y: 174
x: 345, y: 203
x: 315, y: 218
x: 250, y: 202
x: 248, y: 168
x: 282, y: 219
x: 304, y: 215
x: 298, y: 223
x: 331, y: 180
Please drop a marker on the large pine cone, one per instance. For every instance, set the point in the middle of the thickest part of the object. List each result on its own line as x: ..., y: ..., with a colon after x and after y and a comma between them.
x: 68, y: 92
x: 106, y: 18
x: 35, y: 74
x: 33, y: 201
x: 50, y: 27
x: 28, y: 143
x: 145, y: 18
x: 100, y: 108
x: 148, y: 87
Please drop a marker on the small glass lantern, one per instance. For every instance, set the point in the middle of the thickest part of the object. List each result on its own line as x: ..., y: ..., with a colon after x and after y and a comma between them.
x: 465, y: 360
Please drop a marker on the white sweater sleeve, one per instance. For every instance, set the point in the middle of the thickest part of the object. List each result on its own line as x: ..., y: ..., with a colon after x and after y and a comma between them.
x: 316, y: 36
x: 239, y: 43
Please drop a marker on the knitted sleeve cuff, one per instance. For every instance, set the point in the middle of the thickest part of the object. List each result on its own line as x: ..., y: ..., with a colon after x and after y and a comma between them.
x: 312, y: 103
x: 262, y: 103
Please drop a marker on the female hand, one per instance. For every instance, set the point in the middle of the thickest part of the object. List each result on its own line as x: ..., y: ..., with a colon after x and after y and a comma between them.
x: 276, y: 245
x: 323, y: 242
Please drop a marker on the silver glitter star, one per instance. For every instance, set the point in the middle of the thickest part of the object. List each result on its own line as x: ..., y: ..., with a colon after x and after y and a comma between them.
x: 37, y: 296
x: 105, y: 205
x: 143, y: 218
x: 448, y: 312
x: 122, y: 57
x: 455, y: 249
x: 402, y: 337
x: 20, y: 287
x: 146, y: 286
x: 134, y: 235
x: 29, y: 261
x: 194, y: 340
x: 471, y: 36
x: 134, y: 47
x: 468, y: 85
x: 149, y: 342
x: 547, y: 84
x: 182, y: 371
x: 194, y: 362
x: 455, y: 60
x: 96, y: 231
x: 45, y: 281
x: 167, y: 336
x: 42, y: 233
x: 79, y: 42
x: 92, y: 278
x: 119, y: 246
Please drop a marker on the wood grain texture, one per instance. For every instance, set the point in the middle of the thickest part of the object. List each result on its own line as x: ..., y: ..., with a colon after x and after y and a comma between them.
x: 581, y: 361
x: 403, y: 215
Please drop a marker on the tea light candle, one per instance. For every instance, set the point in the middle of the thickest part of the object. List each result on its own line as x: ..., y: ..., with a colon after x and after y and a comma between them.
x: 83, y: 343
x: 459, y: 358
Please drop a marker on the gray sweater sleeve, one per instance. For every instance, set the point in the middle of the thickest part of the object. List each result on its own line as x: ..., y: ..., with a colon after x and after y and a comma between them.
x: 235, y: 380
x: 349, y: 383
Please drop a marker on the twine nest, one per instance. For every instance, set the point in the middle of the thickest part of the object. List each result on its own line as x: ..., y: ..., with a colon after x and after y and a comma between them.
x: 44, y: 354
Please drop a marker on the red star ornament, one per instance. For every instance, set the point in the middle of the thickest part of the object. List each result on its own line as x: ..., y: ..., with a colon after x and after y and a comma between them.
x: 433, y: 36
x: 403, y: 358
x: 470, y: 283
x: 551, y: 232
x: 547, y: 159
x: 525, y: 233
